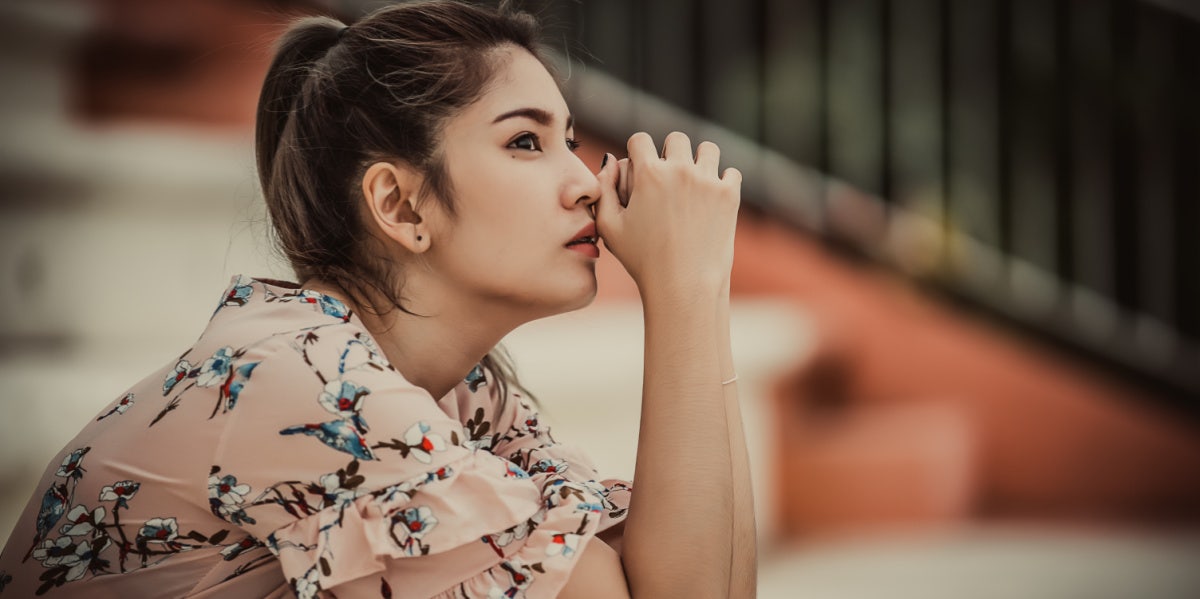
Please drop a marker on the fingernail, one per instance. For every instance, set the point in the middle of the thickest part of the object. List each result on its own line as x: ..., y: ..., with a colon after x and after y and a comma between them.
x: 604, y: 161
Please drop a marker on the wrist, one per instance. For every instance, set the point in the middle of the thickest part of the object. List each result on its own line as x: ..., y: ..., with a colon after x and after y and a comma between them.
x: 700, y: 289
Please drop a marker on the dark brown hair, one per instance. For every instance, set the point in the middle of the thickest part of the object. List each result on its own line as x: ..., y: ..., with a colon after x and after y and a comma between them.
x: 338, y: 98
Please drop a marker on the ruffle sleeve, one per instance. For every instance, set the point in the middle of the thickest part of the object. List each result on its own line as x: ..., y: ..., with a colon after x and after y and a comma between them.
x: 524, y: 438
x: 362, y: 485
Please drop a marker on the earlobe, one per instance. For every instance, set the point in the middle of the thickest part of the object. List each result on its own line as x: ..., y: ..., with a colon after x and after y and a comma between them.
x: 390, y: 192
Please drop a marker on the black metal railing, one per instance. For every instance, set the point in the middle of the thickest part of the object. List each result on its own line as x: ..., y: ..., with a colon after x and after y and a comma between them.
x: 1038, y: 158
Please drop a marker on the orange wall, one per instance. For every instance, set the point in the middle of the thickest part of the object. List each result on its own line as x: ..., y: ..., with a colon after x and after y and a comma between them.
x: 915, y: 394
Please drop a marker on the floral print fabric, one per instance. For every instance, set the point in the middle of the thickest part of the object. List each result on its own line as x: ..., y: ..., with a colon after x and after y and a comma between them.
x: 283, y: 455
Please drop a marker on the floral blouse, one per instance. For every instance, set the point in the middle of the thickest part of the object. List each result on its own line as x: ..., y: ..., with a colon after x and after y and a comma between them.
x: 283, y: 454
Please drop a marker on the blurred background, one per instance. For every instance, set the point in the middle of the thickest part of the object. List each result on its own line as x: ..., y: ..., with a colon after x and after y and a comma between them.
x: 966, y: 305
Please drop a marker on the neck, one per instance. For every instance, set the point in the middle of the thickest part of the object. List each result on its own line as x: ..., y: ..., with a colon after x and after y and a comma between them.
x: 434, y: 351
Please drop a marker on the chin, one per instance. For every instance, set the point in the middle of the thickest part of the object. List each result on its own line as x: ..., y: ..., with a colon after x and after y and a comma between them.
x: 576, y: 299
x: 549, y: 293
x: 584, y: 301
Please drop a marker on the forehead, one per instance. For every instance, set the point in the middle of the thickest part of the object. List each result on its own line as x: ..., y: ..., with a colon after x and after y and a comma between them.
x: 520, y: 81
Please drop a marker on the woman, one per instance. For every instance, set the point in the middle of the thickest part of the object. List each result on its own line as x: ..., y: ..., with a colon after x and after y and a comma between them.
x: 354, y: 435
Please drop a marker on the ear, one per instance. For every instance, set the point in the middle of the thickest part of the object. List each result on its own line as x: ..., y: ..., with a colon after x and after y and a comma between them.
x: 391, y: 192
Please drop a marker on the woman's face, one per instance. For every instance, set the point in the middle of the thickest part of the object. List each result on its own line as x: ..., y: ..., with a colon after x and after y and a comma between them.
x: 521, y: 195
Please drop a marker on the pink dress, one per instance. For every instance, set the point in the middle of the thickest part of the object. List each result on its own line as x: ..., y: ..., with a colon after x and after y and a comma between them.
x: 283, y: 454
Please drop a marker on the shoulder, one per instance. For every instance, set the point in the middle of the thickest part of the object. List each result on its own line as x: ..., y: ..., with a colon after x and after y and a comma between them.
x: 278, y: 345
x: 282, y: 322
x: 256, y: 307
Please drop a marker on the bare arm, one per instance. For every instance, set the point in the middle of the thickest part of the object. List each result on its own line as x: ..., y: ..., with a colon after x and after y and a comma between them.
x: 597, y: 573
x: 743, y: 581
x: 675, y: 239
x: 677, y: 535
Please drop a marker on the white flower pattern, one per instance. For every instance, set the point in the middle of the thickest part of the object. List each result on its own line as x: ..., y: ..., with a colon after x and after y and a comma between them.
x: 214, y: 370
x: 308, y: 586
x: 414, y: 475
x: 72, y: 464
x: 337, y: 496
x: 182, y: 370
x: 423, y: 443
x: 159, y: 530
x: 227, y: 491
x: 120, y: 492
x: 81, y: 521
x: 564, y: 544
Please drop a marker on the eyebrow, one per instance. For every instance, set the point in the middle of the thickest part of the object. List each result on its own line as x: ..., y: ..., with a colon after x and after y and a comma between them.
x: 540, y: 116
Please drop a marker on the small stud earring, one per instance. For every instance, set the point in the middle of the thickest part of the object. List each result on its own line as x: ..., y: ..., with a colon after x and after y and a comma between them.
x: 418, y: 238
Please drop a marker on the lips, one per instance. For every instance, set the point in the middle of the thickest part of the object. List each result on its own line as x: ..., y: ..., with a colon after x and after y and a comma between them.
x: 584, y: 241
x: 585, y: 235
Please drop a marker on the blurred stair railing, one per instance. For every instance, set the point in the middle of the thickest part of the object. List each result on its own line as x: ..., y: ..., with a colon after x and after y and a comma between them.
x: 1036, y: 160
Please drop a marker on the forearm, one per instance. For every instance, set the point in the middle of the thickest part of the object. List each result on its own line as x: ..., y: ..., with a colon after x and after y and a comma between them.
x: 678, y: 536
x: 744, y: 565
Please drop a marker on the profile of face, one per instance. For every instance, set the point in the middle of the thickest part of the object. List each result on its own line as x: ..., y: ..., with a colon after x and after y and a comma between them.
x: 521, y: 195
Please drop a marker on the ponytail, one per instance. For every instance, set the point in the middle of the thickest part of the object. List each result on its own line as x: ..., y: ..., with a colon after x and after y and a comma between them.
x: 298, y: 51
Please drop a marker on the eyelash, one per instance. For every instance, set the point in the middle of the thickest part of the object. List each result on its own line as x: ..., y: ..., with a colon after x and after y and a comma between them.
x: 572, y: 143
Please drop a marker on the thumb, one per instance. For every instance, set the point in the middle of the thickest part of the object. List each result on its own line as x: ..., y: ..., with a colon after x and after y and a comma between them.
x: 608, y: 207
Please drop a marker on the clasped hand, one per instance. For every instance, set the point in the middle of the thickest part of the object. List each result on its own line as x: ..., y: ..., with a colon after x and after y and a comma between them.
x: 670, y: 218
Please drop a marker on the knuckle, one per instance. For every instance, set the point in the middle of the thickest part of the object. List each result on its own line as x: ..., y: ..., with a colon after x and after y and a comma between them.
x: 678, y: 135
x: 679, y: 170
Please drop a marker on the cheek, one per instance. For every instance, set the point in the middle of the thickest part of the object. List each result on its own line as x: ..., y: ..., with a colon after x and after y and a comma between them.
x: 493, y: 241
x: 506, y: 209
x: 510, y: 207
x: 491, y: 187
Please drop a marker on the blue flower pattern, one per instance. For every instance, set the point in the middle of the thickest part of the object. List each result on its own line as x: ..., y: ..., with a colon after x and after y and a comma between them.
x: 91, y: 540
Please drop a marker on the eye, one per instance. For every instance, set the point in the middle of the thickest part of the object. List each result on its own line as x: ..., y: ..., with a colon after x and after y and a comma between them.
x: 526, y: 141
x: 573, y: 144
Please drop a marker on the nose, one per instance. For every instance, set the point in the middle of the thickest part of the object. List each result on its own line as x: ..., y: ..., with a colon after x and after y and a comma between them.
x: 583, y: 188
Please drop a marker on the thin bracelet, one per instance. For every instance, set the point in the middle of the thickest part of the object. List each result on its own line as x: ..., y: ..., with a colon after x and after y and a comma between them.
x: 730, y: 380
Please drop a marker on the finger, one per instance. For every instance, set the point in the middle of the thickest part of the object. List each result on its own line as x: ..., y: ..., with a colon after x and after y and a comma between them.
x: 608, y: 205
x: 608, y: 174
x: 641, y: 147
x: 677, y: 146
x: 624, y: 180
x: 732, y: 176
x: 708, y: 157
